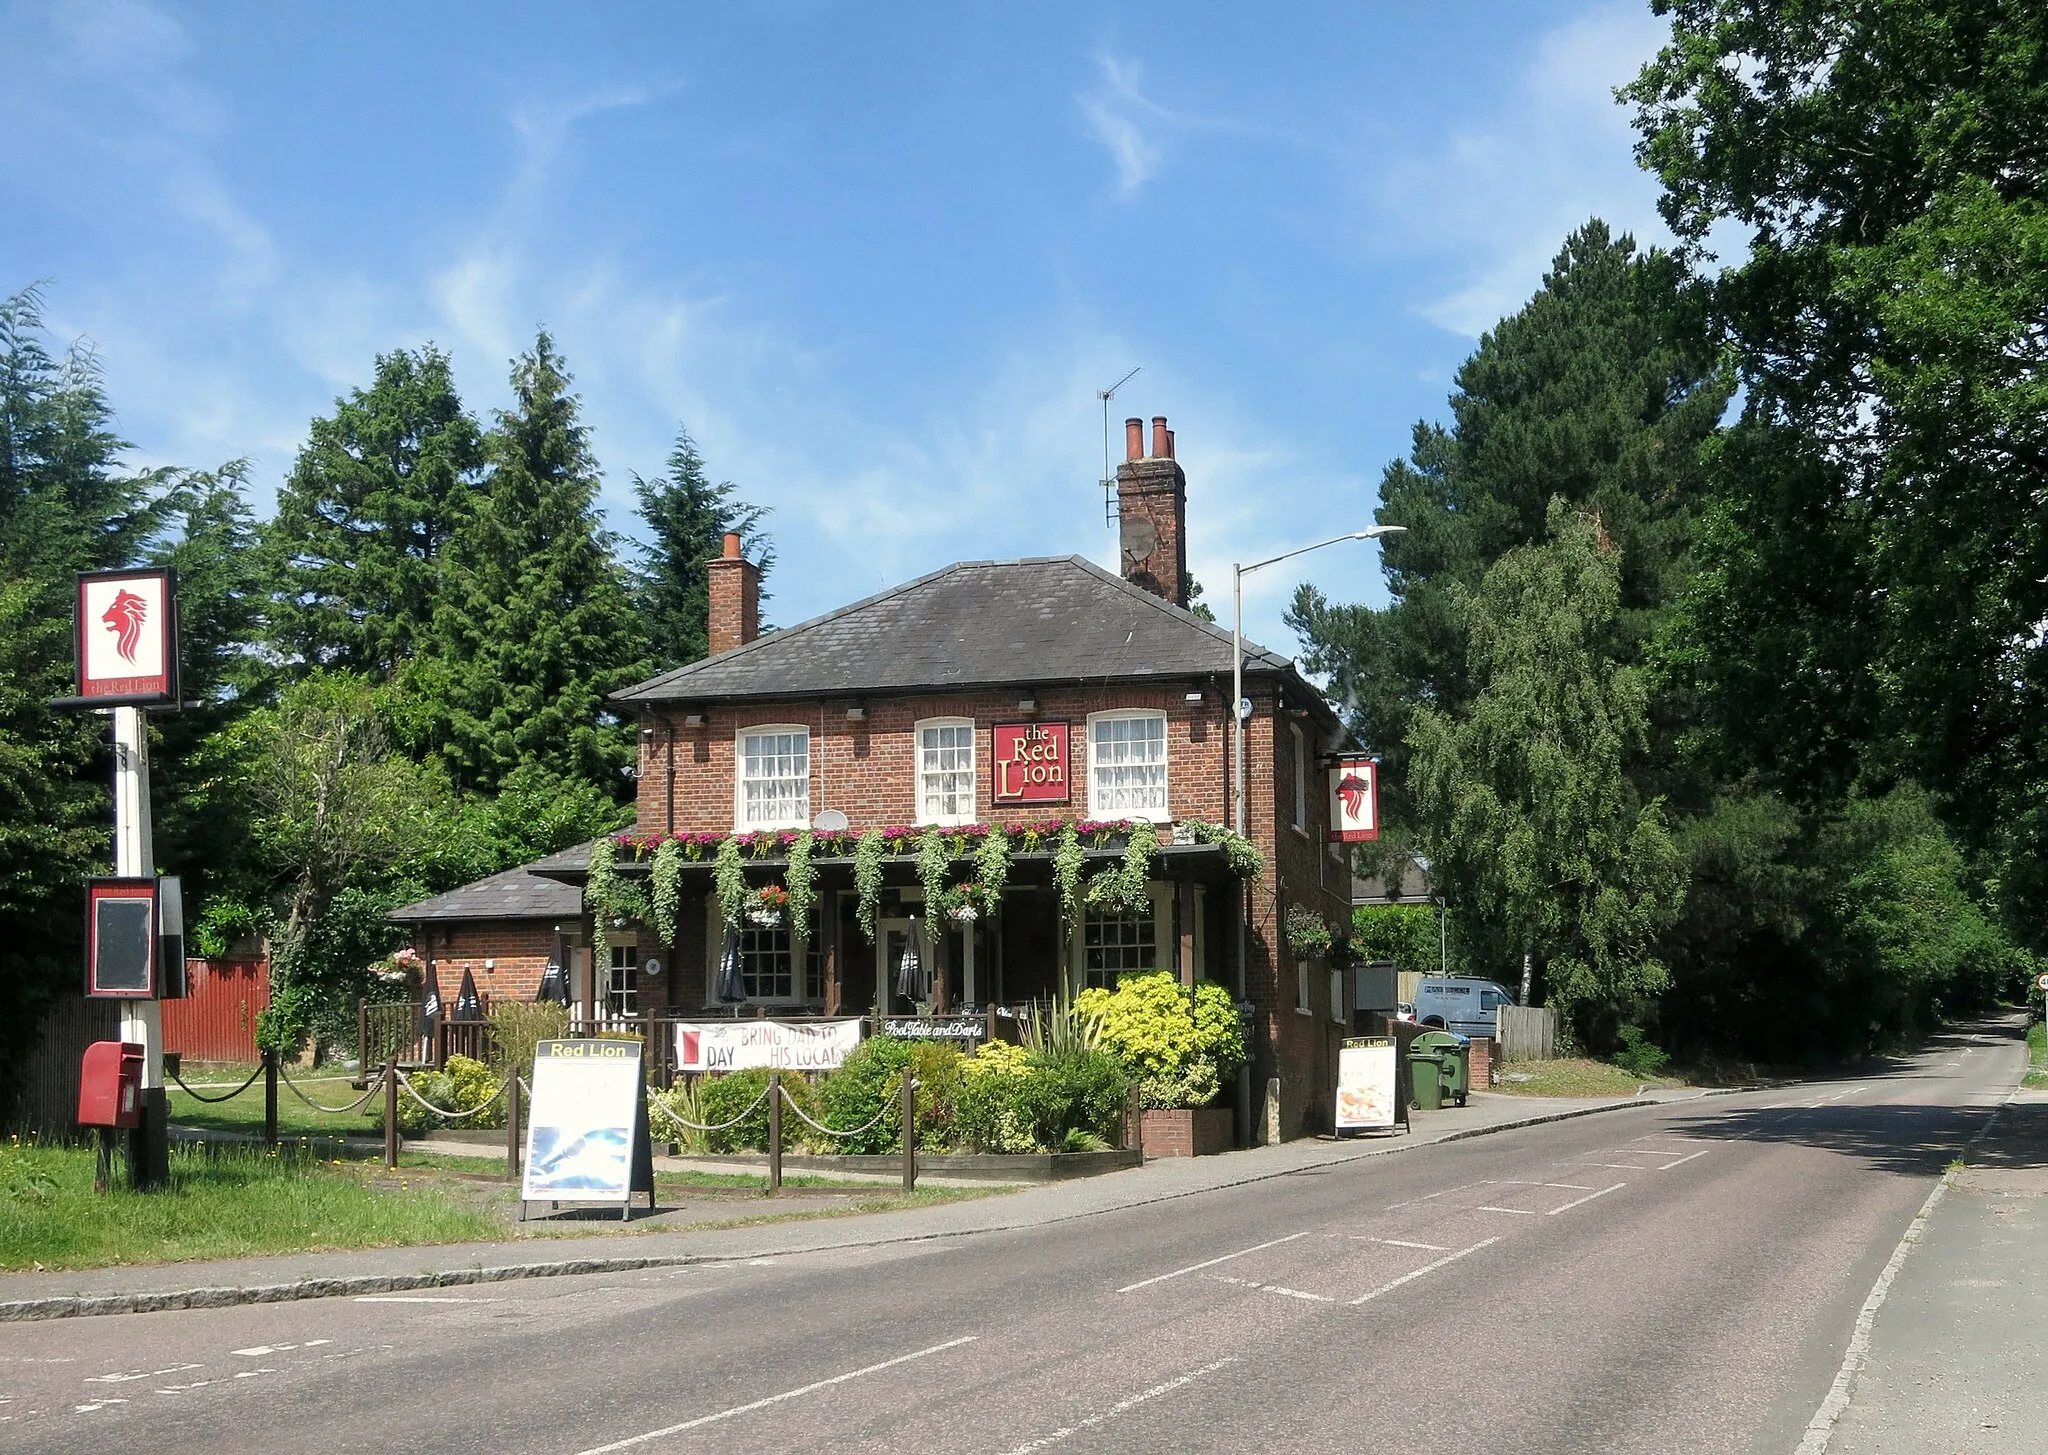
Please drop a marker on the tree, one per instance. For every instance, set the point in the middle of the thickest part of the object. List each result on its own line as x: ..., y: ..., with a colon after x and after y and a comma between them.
x: 1525, y: 800
x: 1599, y: 392
x: 534, y: 623
x: 379, y: 488
x: 1884, y: 159
x: 687, y: 518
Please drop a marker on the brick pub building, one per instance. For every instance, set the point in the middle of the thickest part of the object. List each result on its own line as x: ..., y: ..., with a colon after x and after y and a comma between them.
x: 988, y: 692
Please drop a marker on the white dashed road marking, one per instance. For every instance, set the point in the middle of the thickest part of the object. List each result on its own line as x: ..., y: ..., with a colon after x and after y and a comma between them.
x: 1209, y: 1263
x: 1567, y: 1207
x: 1116, y: 1409
x: 1425, y: 1268
x: 1271, y: 1288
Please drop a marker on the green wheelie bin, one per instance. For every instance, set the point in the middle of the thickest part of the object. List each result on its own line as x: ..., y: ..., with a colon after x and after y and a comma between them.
x: 1425, y: 1075
x: 1454, y: 1060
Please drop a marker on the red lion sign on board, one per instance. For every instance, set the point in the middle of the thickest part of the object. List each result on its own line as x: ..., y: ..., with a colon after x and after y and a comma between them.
x: 127, y: 642
x: 1354, y: 801
x: 1031, y: 762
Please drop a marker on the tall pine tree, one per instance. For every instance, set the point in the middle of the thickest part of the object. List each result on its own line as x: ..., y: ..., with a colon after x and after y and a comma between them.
x: 381, y: 485
x: 534, y: 623
x: 687, y: 519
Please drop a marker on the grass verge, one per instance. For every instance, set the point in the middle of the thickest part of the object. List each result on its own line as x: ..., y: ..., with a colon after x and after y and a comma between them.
x: 244, y: 1113
x: 223, y: 1202
x: 2037, y: 1057
x: 1572, y: 1076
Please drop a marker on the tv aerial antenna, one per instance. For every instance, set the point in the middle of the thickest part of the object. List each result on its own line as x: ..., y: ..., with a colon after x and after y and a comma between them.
x: 1108, y: 478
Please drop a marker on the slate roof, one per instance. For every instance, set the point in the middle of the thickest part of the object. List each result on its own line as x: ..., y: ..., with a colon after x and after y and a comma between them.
x: 514, y: 894
x: 1036, y: 622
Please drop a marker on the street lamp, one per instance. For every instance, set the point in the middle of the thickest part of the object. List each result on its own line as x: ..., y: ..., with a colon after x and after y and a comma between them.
x: 1237, y: 702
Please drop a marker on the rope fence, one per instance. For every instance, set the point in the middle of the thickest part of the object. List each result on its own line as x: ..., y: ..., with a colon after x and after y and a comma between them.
x: 214, y: 1100
x: 818, y: 1126
x: 334, y: 1111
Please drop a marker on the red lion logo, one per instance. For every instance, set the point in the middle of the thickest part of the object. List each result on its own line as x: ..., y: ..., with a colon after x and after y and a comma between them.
x: 1352, y: 790
x: 124, y: 619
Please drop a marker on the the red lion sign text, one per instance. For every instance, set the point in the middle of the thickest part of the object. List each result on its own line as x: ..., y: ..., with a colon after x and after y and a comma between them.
x: 1031, y: 762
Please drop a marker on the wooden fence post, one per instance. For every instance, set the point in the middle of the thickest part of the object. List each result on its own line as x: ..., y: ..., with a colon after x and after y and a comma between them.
x: 270, y: 1098
x: 512, y: 1147
x: 774, y: 1133
x: 391, y: 1113
x: 909, y: 1133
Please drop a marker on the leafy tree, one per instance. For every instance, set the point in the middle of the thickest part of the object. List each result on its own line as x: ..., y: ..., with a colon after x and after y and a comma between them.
x: 355, y: 548
x: 1884, y: 159
x: 687, y: 519
x: 534, y: 623
x: 1525, y: 801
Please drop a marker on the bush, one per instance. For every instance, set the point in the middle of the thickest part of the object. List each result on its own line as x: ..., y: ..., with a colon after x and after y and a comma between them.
x: 721, y: 1098
x: 1638, y: 1055
x: 517, y: 1026
x: 1178, y: 1052
x: 1014, y: 1101
x: 671, y: 1113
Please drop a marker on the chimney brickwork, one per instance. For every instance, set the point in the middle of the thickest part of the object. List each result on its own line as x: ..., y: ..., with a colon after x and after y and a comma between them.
x: 735, y: 590
x: 1152, y: 511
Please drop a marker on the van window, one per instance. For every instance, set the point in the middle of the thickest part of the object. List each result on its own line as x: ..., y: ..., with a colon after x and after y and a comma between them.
x: 1490, y: 999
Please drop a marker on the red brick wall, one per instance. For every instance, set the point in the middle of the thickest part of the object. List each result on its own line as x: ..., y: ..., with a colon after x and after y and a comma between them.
x: 734, y: 592
x: 518, y: 950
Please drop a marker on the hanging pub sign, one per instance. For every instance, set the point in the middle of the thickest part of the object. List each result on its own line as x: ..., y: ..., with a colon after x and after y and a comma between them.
x: 1031, y: 762
x: 1354, y: 801
x: 121, y: 950
x: 127, y: 635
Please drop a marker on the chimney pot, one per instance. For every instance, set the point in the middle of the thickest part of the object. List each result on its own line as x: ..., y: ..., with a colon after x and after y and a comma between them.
x: 732, y: 545
x: 1161, y: 450
x: 1134, y: 438
x: 1169, y: 444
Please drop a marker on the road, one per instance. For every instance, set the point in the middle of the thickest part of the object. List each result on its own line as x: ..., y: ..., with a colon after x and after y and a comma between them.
x: 1666, y: 1279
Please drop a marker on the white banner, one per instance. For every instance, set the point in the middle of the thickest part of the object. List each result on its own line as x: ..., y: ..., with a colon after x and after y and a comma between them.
x: 1365, y: 1085
x: 743, y: 1045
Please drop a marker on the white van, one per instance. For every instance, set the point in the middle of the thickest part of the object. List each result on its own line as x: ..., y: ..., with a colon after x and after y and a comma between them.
x: 1460, y: 1003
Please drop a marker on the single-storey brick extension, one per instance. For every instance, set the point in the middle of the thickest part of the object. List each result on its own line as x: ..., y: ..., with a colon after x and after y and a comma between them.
x: 988, y: 692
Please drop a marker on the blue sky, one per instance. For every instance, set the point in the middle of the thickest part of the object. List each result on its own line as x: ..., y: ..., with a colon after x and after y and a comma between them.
x: 878, y: 259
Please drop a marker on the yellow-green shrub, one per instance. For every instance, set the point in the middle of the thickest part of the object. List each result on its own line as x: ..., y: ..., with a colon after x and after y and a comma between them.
x: 1180, y: 1046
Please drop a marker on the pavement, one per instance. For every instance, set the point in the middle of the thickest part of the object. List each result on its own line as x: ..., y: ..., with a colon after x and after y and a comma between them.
x: 583, y: 1246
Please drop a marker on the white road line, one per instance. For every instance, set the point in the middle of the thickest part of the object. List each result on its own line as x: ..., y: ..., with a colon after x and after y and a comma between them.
x: 1120, y: 1407
x: 1443, y: 1192
x: 138, y: 1374
x: 1210, y: 1263
x: 741, y: 1409
x: 1587, y: 1198
x: 1397, y: 1243
x: 1283, y: 1291
x: 1425, y: 1268
x: 403, y: 1298
x: 1524, y: 1182
x: 1519, y: 1211
x: 1686, y: 1158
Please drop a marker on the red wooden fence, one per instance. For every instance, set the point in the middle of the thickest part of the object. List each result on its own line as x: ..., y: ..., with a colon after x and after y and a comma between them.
x: 216, y: 1021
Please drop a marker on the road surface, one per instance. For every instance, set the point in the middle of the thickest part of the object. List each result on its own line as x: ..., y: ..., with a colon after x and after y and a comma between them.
x: 1680, y: 1279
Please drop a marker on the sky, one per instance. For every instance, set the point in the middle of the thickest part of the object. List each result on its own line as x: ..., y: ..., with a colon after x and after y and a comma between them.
x: 879, y: 260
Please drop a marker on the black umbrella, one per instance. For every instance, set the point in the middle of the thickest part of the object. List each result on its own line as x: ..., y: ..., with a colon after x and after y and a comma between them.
x: 910, y: 980
x: 554, y: 984
x: 430, y: 1005
x: 731, y: 990
x: 469, y: 1006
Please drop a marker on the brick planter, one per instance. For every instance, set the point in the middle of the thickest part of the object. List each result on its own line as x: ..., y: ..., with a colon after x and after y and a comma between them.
x: 1188, y: 1133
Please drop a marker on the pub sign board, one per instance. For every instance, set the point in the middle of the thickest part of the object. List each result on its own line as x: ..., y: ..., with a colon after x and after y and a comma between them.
x: 1354, y: 801
x: 127, y: 636
x: 121, y: 939
x: 1032, y: 762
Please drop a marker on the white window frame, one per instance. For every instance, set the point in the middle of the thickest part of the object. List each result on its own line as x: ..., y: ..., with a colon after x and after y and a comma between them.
x: 1164, y: 812
x: 622, y: 1003
x: 928, y: 810
x: 798, y: 820
x: 802, y: 976
x: 1161, y: 895
x: 1300, y: 776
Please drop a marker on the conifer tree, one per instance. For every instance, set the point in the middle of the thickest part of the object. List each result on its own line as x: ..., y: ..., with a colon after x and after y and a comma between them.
x: 361, y: 522
x: 687, y: 519
x: 533, y: 624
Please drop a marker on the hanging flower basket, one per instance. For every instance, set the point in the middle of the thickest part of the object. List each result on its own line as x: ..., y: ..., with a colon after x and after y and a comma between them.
x: 768, y: 907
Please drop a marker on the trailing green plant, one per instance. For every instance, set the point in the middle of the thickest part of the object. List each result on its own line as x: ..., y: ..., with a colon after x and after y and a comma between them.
x: 934, y: 859
x: 800, y: 878
x: 1127, y: 888
x: 729, y: 881
x: 1067, y: 863
x: 992, y: 868
x: 600, y: 884
x: 1307, y: 935
x: 1240, y: 853
x: 868, y: 855
x: 1179, y: 1045
x: 666, y: 882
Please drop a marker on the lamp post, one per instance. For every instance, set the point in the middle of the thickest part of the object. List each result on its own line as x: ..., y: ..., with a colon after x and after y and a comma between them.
x: 1237, y: 715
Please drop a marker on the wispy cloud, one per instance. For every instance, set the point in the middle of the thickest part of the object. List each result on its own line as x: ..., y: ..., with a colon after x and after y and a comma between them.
x: 1114, y: 111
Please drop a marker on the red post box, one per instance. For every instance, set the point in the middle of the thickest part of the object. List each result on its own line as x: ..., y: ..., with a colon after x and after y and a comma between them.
x: 110, y: 1085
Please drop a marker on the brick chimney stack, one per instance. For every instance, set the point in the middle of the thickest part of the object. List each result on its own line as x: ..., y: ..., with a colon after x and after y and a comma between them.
x: 1152, y: 509
x: 735, y: 584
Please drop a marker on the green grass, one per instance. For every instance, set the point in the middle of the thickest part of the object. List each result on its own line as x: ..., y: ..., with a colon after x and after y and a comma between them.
x: 2037, y: 1056
x: 244, y: 1113
x: 222, y: 1203
x: 1573, y: 1076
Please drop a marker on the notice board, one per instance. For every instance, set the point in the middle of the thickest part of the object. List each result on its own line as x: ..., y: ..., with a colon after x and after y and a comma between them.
x: 1366, y: 1090
x: 586, y: 1135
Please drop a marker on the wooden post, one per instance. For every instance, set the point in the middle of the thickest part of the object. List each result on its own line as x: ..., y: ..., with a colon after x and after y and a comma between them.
x: 1134, y: 1114
x: 909, y: 1133
x: 391, y: 1113
x: 270, y: 1098
x: 512, y: 1148
x: 774, y: 1133
x: 362, y: 1034
x: 828, y: 928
